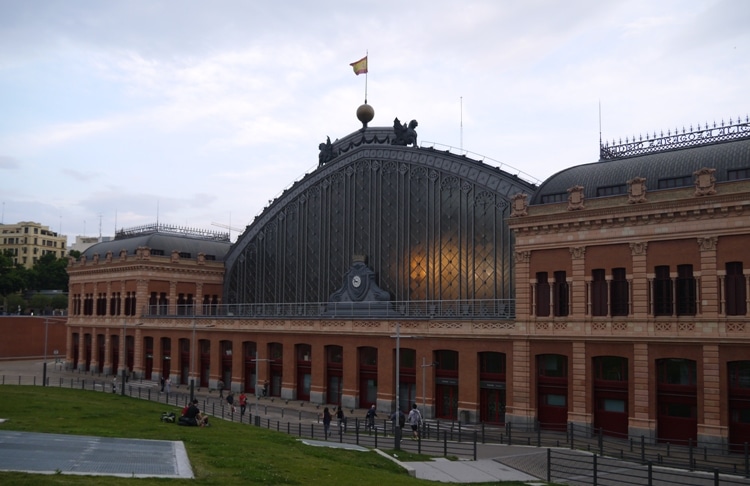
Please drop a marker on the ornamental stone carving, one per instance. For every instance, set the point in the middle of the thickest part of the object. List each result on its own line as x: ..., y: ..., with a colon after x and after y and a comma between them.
x: 519, y: 205
x: 638, y: 248
x: 575, y: 198
x: 705, y: 182
x: 578, y: 252
x: 708, y: 244
x: 523, y: 256
x: 637, y: 190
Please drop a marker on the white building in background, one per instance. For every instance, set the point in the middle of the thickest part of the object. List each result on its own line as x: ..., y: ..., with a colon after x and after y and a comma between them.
x: 29, y: 241
x: 84, y: 242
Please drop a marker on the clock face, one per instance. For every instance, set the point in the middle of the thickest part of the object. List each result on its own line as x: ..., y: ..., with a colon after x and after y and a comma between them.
x: 356, y: 281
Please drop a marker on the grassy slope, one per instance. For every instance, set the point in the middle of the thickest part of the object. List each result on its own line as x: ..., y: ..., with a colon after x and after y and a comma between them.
x: 223, y: 454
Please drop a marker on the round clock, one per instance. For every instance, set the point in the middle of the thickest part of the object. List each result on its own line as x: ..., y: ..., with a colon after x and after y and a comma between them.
x: 356, y: 281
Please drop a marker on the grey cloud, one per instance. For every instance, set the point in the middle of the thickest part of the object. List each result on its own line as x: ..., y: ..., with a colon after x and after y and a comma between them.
x: 9, y: 163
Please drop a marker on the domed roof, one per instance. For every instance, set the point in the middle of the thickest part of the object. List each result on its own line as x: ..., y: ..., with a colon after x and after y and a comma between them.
x: 672, y: 168
x: 163, y: 242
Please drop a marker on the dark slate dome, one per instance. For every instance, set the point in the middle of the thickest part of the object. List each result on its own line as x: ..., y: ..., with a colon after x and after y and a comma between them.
x: 662, y: 170
x: 163, y: 240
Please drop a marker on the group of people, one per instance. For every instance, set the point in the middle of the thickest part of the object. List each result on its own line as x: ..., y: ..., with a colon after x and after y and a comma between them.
x: 242, y: 399
x: 328, y: 418
x: 191, y: 415
x: 414, y: 419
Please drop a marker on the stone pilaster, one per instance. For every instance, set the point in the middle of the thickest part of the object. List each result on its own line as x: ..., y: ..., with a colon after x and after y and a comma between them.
x: 642, y: 421
x: 578, y: 389
x: 639, y: 281
x: 710, y: 430
x: 520, y: 409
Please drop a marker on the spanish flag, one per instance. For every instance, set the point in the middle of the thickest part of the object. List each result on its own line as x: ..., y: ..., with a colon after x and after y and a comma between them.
x: 360, y: 67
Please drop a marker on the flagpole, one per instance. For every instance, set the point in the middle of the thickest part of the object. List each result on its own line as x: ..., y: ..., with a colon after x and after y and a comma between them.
x: 367, y: 56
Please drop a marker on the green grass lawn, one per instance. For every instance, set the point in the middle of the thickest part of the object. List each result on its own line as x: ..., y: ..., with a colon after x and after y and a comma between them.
x: 224, y: 454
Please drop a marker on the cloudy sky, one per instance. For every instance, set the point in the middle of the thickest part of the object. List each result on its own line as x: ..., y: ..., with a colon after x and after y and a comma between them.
x: 116, y: 113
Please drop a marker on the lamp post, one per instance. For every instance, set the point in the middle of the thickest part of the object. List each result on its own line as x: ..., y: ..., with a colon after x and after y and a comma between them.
x: 124, y: 365
x: 193, y: 352
x: 257, y: 360
x: 192, y: 364
x: 44, y: 367
x: 424, y: 385
x: 398, y: 366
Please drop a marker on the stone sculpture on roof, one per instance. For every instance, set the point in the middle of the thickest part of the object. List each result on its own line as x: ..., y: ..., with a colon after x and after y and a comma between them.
x: 326, y: 152
x: 405, y: 134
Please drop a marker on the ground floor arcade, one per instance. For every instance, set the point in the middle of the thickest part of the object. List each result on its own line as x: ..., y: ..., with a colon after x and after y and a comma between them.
x: 663, y: 391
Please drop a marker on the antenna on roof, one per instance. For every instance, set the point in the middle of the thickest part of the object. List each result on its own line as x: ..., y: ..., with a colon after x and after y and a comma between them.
x: 600, y: 123
x: 462, y: 124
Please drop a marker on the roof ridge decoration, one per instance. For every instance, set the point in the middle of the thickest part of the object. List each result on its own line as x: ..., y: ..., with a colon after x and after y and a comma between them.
x: 170, y: 230
x: 692, y: 137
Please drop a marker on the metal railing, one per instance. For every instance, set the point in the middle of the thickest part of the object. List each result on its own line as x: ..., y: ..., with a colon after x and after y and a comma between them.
x: 580, y: 468
x: 425, y: 309
x: 580, y: 454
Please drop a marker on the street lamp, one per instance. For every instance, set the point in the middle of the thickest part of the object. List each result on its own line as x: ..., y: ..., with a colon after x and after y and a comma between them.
x: 124, y: 365
x: 424, y: 385
x: 257, y: 360
x: 44, y: 367
x: 192, y: 361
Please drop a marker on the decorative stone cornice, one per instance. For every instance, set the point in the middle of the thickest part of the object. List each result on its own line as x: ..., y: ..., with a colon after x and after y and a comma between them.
x: 653, y: 212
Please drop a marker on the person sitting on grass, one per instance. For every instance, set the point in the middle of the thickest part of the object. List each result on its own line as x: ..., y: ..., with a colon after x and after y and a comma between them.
x: 193, y: 416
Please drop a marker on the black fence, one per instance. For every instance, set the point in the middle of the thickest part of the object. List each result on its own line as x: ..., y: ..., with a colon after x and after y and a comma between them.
x: 451, y: 438
x: 581, y: 468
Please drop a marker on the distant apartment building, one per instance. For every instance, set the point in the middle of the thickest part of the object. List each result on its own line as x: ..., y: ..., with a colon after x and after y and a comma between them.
x: 82, y: 243
x: 29, y: 241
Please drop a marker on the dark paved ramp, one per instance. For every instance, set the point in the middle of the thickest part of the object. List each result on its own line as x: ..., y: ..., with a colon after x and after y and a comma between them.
x: 76, y: 454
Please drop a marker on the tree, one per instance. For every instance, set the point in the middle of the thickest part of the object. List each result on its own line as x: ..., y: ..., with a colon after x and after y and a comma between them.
x: 13, y: 277
x: 15, y: 303
x: 49, y: 273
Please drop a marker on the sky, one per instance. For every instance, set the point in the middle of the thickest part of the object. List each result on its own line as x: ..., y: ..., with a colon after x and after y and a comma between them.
x: 116, y: 114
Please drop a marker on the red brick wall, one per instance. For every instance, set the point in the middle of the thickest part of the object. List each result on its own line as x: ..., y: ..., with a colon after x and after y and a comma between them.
x: 23, y: 337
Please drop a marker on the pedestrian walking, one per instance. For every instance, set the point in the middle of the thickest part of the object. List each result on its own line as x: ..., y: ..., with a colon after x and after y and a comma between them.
x: 167, y: 385
x: 370, y: 419
x: 327, y: 422
x: 243, y: 403
x: 415, y: 420
x: 341, y: 417
x: 230, y: 400
x: 220, y: 386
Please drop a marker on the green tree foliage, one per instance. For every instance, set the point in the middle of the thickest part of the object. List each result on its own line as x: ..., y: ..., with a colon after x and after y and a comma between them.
x: 59, y: 302
x: 13, y: 277
x: 14, y: 302
x: 49, y: 274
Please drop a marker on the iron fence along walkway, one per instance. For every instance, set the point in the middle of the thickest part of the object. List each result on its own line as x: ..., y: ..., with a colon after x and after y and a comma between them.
x: 583, y: 469
x: 572, y: 451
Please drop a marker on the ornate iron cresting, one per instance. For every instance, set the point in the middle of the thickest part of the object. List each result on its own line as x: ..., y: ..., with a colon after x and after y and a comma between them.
x: 691, y: 137
x: 171, y: 230
x: 432, y: 225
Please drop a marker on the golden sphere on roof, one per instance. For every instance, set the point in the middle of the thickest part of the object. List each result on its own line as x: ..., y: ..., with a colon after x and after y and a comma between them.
x: 365, y: 114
